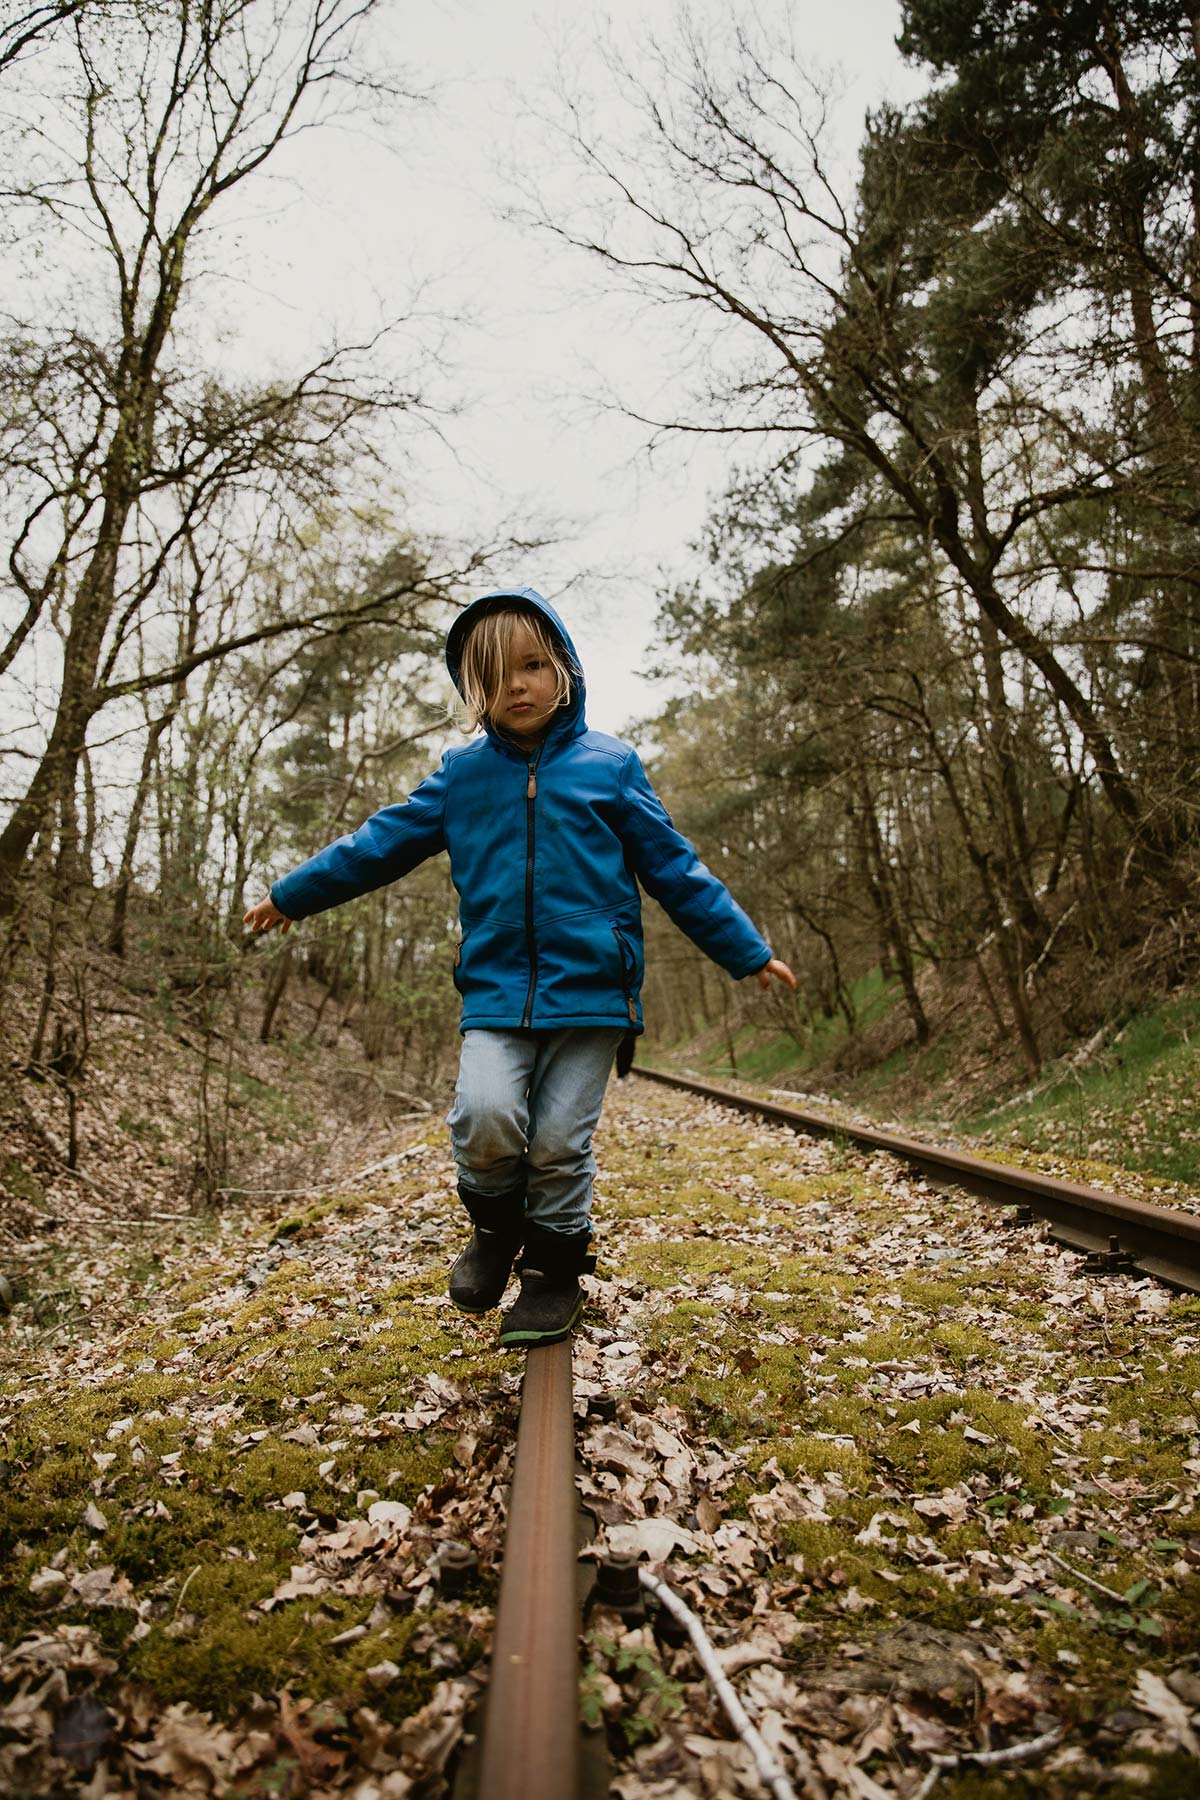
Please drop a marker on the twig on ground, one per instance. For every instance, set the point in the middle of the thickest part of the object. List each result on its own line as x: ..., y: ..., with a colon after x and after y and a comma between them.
x: 183, y: 1590
x: 328, y: 1187
x: 1009, y: 1757
x: 772, y: 1775
x: 1078, y: 1574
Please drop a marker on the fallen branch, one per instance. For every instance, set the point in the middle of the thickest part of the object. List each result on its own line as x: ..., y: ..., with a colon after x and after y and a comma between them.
x: 1009, y: 1757
x: 328, y: 1187
x: 1078, y: 1575
x: 772, y: 1775
x: 389, y: 1093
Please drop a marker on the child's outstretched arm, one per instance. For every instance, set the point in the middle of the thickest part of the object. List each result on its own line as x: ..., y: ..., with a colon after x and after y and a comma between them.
x: 670, y: 870
x: 390, y: 843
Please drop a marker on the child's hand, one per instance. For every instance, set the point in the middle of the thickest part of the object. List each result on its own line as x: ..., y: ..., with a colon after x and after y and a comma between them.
x: 780, y: 971
x: 266, y: 915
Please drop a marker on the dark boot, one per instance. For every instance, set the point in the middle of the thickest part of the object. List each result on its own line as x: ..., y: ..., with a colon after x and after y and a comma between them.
x: 550, y: 1300
x: 480, y: 1274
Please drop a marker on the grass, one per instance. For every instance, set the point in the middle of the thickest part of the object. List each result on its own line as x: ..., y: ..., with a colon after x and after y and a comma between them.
x: 760, y: 1056
x: 1135, y: 1106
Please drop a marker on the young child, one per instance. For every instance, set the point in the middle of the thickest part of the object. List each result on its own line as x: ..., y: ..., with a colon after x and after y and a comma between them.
x: 550, y: 827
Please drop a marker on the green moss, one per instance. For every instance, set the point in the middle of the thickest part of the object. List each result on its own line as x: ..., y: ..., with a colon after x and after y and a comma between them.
x: 204, y: 1536
x: 668, y: 1263
x: 16, y: 1180
x: 1157, y: 1778
x: 259, y: 1653
x: 922, y: 1293
x: 961, y: 1344
x: 299, y: 1226
x: 814, y: 1456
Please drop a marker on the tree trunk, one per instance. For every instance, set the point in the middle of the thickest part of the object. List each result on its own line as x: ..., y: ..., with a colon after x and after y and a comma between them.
x: 90, y: 614
x: 133, y: 829
x: 276, y: 984
x: 883, y: 895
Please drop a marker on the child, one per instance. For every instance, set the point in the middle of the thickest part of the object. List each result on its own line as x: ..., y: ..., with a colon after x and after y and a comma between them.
x: 549, y: 827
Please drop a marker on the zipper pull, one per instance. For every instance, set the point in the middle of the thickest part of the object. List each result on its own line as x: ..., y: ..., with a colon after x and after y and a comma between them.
x: 531, y: 788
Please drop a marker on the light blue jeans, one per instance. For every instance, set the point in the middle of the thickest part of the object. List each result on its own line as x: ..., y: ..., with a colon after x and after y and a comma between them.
x: 527, y: 1103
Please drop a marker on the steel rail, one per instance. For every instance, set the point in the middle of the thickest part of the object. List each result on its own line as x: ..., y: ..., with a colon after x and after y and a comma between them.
x: 1162, y: 1241
x: 531, y: 1737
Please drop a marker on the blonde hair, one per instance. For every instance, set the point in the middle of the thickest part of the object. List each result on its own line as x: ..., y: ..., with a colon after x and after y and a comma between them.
x: 487, y: 655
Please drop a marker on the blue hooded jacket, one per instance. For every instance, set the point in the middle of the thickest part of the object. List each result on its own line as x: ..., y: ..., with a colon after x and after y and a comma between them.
x: 546, y: 852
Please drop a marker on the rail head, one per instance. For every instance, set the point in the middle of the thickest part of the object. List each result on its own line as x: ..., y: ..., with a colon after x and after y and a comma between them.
x: 531, y: 1747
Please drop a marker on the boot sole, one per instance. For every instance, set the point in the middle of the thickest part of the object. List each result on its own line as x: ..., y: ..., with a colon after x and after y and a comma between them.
x: 473, y: 1312
x: 513, y: 1340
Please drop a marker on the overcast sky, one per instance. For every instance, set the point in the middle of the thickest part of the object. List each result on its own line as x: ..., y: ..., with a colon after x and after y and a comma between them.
x: 352, y: 220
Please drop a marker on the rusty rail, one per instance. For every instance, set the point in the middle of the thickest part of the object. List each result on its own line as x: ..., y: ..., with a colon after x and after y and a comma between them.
x: 1162, y: 1241
x: 531, y: 1738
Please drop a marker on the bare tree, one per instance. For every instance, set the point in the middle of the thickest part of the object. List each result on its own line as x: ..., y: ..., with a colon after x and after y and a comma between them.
x: 122, y: 458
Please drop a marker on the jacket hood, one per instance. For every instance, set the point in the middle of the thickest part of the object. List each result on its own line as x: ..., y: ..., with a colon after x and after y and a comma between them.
x: 571, y: 720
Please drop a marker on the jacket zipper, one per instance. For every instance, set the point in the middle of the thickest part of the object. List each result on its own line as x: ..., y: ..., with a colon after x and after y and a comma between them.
x: 628, y: 965
x: 530, y: 939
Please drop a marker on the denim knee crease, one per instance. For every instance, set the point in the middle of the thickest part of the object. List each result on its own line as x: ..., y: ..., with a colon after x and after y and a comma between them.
x: 531, y: 1100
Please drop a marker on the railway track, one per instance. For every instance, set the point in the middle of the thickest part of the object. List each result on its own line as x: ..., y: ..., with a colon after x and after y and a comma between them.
x: 531, y: 1746
x: 1116, y: 1233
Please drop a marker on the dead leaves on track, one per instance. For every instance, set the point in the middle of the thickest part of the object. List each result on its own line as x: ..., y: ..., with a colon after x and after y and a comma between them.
x: 937, y: 1490
x: 931, y: 1492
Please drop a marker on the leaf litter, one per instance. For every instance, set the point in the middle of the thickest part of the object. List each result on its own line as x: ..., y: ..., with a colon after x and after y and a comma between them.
x: 933, y: 1494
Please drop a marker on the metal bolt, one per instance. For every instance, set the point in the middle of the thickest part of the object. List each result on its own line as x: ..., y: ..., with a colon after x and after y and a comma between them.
x: 603, y: 1407
x: 1113, y: 1261
x: 457, y: 1565
x: 617, y: 1585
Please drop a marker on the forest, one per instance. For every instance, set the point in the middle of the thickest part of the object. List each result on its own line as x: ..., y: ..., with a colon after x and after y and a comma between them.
x: 930, y: 684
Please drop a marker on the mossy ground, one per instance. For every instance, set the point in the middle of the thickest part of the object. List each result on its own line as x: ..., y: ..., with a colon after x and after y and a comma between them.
x: 166, y: 1478
x: 896, y: 1349
x: 916, y: 1401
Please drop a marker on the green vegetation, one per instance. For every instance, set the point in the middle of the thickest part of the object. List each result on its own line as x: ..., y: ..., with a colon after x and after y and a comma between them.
x: 172, y: 1496
x: 1134, y: 1106
x: 762, y: 1054
x: 654, y: 1696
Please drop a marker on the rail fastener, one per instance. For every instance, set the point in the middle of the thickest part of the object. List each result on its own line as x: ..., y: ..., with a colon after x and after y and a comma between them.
x: 1113, y: 1261
x: 457, y: 1566
x: 619, y: 1587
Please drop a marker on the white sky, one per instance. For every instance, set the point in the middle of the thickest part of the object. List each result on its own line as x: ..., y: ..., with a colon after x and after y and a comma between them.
x: 348, y: 222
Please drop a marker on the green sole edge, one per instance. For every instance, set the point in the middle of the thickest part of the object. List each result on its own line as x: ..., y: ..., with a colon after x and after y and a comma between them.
x: 510, y: 1340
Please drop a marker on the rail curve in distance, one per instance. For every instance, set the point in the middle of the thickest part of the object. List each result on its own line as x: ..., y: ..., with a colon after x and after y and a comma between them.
x: 1114, y: 1232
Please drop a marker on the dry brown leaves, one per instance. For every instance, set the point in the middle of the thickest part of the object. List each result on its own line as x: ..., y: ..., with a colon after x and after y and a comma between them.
x: 854, y: 1698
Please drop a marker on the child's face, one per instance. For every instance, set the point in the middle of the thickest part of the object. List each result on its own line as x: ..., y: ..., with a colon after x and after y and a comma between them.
x: 526, y: 705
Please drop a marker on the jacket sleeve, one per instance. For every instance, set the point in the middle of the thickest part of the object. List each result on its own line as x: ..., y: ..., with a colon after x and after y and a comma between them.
x: 388, y: 845
x: 670, y: 870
